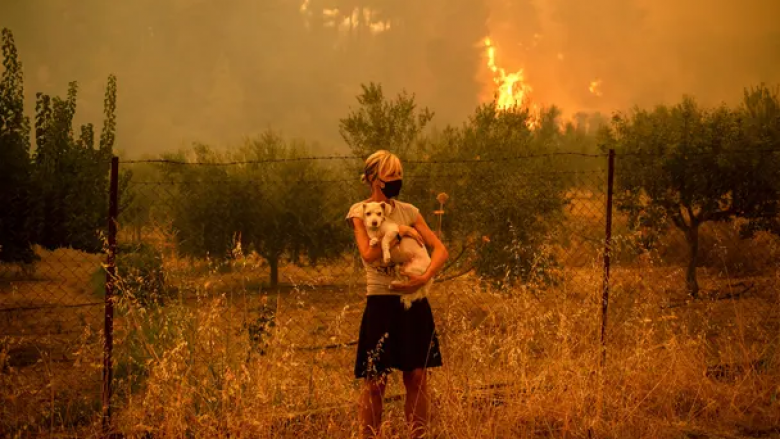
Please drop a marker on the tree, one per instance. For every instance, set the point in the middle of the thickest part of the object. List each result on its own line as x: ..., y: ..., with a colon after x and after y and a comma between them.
x: 504, y: 210
x: 71, y: 174
x: 684, y: 166
x: 275, y: 203
x: 88, y: 198
x: 760, y: 117
x: 15, y: 191
x: 138, y: 202
x: 580, y: 136
x: 380, y: 123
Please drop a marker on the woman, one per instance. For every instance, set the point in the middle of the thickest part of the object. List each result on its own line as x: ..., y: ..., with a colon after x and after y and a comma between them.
x: 392, y: 337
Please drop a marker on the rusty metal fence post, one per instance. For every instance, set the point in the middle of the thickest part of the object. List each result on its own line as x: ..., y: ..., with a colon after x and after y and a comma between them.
x: 607, y: 251
x: 108, y: 339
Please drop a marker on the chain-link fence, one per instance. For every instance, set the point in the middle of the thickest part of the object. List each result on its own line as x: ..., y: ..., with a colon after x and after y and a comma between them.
x: 52, y: 306
x: 247, y: 271
x: 253, y: 263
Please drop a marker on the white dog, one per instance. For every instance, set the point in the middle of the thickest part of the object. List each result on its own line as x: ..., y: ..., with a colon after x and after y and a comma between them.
x: 410, y: 254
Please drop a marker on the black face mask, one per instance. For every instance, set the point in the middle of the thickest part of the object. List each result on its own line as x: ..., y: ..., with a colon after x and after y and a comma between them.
x: 392, y: 188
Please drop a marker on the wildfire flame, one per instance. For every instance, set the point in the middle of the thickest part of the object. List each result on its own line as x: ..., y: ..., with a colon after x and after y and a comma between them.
x: 595, y: 87
x: 511, y: 90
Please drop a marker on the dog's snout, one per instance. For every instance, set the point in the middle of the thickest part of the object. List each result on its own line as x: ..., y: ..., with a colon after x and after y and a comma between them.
x: 374, y: 223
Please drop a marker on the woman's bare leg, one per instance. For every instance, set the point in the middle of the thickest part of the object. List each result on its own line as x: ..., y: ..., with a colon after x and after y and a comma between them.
x: 371, y: 406
x: 417, y: 401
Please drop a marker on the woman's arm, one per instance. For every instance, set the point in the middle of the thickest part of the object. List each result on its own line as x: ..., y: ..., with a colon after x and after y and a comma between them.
x: 438, y: 258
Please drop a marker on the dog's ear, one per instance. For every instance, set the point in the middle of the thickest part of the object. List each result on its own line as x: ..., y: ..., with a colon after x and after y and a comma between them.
x: 387, y: 208
x: 364, y: 208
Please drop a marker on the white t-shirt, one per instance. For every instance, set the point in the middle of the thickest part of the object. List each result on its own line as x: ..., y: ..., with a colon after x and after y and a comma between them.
x: 378, y: 275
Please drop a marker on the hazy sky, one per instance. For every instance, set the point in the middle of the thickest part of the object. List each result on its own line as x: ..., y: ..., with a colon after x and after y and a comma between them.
x: 215, y: 71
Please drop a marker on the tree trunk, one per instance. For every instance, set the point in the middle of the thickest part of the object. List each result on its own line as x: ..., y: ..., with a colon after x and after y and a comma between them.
x: 274, y: 263
x: 692, y: 236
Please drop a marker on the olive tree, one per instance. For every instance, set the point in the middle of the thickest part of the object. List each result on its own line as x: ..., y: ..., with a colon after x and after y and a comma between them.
x: 504, y: 203
x: 382, y: 123
x: 272, y: 201
x: 682, y: 166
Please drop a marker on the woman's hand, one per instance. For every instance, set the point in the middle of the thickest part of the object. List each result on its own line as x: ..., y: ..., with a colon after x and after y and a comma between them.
x: 438, y: 257
x: 414, y: 283
x: 411, y: 232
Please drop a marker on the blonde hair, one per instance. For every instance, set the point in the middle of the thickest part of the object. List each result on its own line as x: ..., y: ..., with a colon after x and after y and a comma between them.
x: 382, y: 162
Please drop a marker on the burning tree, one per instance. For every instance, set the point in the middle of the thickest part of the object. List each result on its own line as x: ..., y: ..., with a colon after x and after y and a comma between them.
x: 684, y: 166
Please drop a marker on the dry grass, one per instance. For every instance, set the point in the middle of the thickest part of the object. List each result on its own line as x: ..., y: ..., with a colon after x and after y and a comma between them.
x: 518, y: 364
x: 540, y: 354
x: 50, y: 353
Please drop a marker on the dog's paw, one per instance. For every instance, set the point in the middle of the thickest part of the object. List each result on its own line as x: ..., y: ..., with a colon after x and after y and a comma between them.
x: 373, y: 242
x: 386, y: 257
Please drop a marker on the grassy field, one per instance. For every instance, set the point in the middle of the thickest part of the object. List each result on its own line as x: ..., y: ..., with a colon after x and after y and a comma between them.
x: 228, y: 356
x: 522, y: 365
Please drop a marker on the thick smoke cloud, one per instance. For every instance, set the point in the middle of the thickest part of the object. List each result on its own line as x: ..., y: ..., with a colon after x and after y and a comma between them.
x: 215, y: 71
x: 650, y: 51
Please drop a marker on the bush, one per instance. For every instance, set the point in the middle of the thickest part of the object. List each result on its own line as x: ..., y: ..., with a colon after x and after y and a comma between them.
x: 140, y: 270
x: 140, y: 273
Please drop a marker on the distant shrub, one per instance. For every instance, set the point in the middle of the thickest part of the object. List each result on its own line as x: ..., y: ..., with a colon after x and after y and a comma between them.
x: 140, y: 273
x: 140, y: 268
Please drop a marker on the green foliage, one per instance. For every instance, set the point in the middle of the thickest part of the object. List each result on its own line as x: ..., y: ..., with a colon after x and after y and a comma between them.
x: 60, y: 197
x: 760, y: 117
x: 685, y: 165
x: 501, y: 211
x: 140, y: 268
x: 139, y: 203
x: 108, y: 135
x: 15, y: 190
x: 278, y: 206
x: 158, y: 332
x: 380, y: 123
x: 142, y: 278
x: 580, y: 136
x: 260, y: 329
x: 71, y: 175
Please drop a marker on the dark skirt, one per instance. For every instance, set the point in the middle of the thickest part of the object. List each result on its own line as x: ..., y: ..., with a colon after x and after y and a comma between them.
x: 393, y: 338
